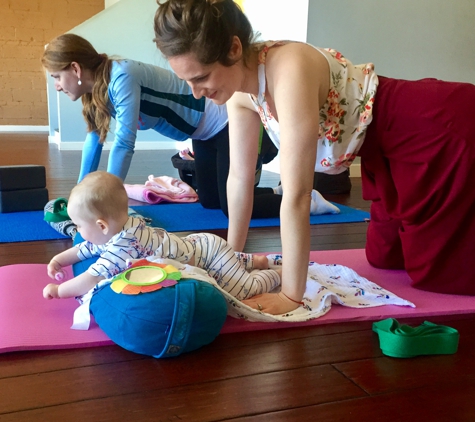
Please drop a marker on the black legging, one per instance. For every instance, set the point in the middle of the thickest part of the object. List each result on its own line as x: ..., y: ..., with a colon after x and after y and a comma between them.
x: 211, y: 171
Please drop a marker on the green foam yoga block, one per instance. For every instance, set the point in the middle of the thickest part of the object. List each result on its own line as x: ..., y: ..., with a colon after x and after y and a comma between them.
x: 29, y: 176
x: 23, y: 200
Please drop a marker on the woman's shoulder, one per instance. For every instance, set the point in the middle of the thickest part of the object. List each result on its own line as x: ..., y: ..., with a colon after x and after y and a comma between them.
x: 136, y: 69
x: 287, y: 54
x: 124, y: 67
x: 297, y: 49
x: 121, y: 68
x: 144, y: 74
x: 294, y: 57
x: 264, y: 47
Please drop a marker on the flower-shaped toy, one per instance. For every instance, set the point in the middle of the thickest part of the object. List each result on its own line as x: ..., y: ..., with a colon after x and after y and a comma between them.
x: 144, y: 276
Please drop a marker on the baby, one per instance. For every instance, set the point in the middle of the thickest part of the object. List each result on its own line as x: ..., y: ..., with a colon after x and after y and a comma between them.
x: 98, y: 205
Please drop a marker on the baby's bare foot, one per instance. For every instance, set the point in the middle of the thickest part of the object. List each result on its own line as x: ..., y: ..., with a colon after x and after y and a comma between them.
x: 260, y: 262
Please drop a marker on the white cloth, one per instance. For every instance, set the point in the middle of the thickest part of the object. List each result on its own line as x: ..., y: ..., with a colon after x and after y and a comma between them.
x: 327, y: 284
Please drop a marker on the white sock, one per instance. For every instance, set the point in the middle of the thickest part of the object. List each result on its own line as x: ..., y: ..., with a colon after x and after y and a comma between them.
x: 320, y: 205
x: 278, y: 190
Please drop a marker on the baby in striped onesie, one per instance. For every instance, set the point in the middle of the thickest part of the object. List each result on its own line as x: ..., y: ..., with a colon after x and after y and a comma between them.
x: 98, y: 205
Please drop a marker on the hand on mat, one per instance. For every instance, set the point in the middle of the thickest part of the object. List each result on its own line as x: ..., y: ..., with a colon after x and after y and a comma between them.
x: 55, y: 270
x: 271, y: 303
x: 51, y: 291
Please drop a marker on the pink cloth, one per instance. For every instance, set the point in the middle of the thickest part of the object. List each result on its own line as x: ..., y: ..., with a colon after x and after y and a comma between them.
x: 162, y: 189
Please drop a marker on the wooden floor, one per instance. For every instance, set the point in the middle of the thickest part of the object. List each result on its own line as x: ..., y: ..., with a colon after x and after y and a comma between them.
x: 325, y: 373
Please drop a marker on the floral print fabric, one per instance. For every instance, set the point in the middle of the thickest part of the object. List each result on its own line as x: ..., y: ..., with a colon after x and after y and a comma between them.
x: 343, y: 118
x: 327, y: 285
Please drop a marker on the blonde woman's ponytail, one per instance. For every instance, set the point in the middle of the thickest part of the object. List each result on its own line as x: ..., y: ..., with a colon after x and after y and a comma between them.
x: 96, y: 105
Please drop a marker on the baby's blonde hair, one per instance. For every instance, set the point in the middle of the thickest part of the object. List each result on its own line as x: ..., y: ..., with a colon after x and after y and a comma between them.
x: 100, y: 195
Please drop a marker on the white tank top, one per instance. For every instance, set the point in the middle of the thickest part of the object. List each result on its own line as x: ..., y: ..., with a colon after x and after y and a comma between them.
x: 343, y: 118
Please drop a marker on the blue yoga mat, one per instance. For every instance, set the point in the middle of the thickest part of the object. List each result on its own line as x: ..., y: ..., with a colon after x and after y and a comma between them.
x: 29, y: 225
x: 193, y: 217
x: 25, y: 227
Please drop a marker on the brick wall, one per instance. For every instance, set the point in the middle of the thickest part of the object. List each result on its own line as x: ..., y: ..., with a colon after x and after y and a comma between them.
x: 25, y: 27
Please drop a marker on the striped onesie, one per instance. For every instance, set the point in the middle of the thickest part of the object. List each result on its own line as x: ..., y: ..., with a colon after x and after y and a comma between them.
x: 210, y: 252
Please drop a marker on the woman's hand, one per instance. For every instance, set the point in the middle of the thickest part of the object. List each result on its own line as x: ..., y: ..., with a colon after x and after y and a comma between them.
x: 272, y: 303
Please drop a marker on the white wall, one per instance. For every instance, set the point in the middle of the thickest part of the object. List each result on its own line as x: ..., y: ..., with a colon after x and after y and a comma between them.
x: 407, y: 39
x: 108, y: 3
x: 277, y: 19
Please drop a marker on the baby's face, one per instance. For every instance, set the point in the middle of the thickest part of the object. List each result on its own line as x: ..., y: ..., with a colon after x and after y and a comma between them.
x: 87, y: 226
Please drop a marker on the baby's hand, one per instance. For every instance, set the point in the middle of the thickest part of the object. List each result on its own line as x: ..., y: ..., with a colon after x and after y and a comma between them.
x: 55, y: 270
x: 60, y: 275
x: 51, y: 291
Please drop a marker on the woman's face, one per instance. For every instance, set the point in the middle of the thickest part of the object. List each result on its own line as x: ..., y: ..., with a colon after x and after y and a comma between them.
x: 67, y: 81
x: 214, y: 81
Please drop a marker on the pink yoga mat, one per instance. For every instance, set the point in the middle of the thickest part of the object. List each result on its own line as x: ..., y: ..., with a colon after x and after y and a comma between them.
x: 29, y: 322
x: 427, y: 303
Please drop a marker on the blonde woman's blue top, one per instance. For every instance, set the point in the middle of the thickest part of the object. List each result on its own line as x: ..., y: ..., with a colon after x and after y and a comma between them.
x: 143, y: 96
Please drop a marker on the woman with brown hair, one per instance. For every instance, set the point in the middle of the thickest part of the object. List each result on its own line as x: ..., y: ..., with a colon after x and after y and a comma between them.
x: 417, y: 154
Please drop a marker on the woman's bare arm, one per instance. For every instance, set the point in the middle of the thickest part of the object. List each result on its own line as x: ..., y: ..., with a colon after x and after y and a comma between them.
x: 297, y: 81
x: 244, y: 127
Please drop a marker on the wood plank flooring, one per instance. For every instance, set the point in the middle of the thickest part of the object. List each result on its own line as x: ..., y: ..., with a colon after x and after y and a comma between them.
x: 329, y: 373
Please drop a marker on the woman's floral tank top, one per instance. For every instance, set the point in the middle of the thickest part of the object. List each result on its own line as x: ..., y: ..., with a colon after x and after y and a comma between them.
x: 344, y: 117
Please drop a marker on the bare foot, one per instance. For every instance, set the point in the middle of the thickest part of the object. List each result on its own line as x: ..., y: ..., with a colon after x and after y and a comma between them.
x: 260, y: 262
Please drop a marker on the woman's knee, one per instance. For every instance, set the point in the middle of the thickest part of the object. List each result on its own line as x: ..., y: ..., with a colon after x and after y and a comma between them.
x: 388, y: 258
x: 383, y: 242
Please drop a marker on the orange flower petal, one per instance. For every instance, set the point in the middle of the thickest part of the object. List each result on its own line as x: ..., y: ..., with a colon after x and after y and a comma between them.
x: 131, y: 289
x: 150, y: 288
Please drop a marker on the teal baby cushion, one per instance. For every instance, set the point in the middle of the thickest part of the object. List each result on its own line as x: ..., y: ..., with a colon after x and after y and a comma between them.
x: 149, y: 310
